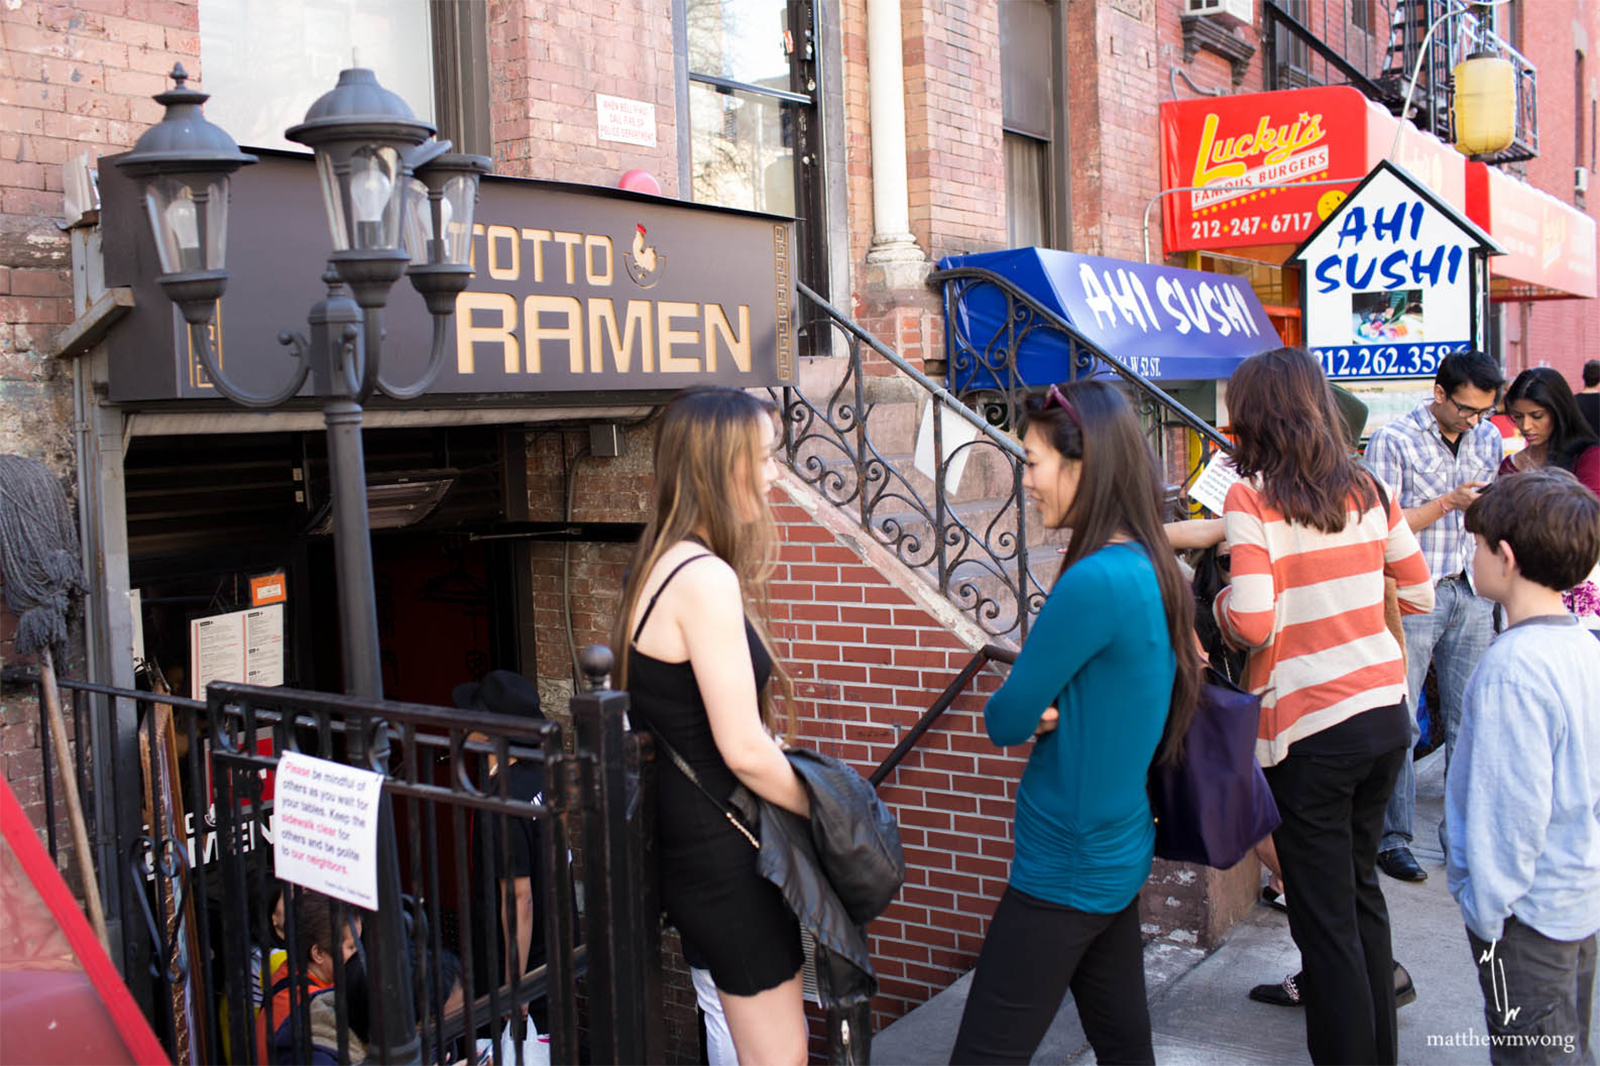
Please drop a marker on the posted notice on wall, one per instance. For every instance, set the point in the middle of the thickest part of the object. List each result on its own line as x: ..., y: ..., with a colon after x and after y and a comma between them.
x: 325, y: 828
x: 244, y: 646
x: 624, y: 120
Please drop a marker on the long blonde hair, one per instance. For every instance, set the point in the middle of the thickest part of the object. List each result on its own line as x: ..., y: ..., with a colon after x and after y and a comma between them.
x: 709, y: 439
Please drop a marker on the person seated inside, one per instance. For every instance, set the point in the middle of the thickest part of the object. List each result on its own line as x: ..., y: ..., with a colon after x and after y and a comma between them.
x: 314, y: 923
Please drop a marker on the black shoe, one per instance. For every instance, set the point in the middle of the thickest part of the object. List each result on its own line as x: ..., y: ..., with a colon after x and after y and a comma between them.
x: 1274, y: 899
x: 1405, y: 990
x: 1285, y: 993
x: 1399, y: 864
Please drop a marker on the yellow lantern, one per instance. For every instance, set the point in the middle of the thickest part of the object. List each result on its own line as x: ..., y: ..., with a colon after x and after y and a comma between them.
x: 1485, y: 104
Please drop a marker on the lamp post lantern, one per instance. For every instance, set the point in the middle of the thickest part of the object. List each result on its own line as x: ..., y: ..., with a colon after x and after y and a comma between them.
x: 398, y: 202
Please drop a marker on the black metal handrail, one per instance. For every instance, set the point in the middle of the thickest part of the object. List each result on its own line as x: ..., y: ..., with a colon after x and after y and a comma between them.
x: 989, y: 653
x: 1026, y: 315
x: 974, y: 551
x: 976, y: 360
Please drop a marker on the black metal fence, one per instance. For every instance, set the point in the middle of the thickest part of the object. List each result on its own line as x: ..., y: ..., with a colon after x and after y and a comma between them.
x: 525, y: 866
x: 962, y: 519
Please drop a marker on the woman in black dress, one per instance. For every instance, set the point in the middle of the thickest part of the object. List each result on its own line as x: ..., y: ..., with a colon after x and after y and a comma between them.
x: 698, y: 666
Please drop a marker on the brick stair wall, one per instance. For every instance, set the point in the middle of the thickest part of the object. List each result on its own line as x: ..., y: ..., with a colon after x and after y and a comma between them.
x: 871, y: 646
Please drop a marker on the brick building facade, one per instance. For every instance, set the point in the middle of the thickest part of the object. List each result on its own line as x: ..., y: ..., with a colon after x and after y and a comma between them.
x: 869, y: 643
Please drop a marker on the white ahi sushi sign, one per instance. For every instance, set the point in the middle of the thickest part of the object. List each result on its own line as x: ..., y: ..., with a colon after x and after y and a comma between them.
x: 1394, y: 280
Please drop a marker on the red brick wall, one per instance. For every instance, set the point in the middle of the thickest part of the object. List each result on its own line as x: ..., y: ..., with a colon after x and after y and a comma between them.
x: 955, y: 167
x: 74, y: 78
x: 547, y: 62
x: 857, y: 132
x: 868, y: 660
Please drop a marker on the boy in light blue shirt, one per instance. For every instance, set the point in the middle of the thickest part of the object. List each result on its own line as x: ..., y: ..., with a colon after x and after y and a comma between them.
x: 1522, y: 797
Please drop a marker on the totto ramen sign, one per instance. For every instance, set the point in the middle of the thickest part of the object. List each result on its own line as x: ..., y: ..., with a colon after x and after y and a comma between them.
x: 1394, y: 280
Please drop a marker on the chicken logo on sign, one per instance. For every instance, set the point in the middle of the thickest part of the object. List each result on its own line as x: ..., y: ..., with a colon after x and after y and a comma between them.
x: 644, y: 263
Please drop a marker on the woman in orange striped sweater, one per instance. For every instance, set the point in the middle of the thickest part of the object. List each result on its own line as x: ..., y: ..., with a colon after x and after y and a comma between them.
x: 1312, y: 538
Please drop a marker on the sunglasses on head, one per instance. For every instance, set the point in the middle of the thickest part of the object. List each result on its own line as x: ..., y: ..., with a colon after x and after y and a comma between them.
x: 1055, y: 398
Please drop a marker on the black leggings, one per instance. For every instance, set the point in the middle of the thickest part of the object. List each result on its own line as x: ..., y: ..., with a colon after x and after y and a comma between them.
x: 1034, y: 952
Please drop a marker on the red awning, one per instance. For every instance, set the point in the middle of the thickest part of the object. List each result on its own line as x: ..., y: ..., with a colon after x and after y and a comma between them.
x: 1550, y: 245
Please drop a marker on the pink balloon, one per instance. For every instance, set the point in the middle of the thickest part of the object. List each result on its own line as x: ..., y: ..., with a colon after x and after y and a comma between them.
x: 640, y: 181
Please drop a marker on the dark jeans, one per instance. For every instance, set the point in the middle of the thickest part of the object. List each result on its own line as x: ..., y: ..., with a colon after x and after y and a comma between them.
x: 1332, y: 808
x: 1538, y: 995
x: 1034, y: 952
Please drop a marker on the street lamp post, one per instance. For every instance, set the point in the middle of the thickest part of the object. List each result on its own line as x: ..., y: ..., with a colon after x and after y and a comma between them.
x: 398, y: 203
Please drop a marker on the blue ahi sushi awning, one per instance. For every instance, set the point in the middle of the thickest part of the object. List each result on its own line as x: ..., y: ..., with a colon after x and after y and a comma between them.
x: 1163, y: 322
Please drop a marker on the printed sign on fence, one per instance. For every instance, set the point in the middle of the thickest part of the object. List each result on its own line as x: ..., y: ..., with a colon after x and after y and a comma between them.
x: 325, y: 828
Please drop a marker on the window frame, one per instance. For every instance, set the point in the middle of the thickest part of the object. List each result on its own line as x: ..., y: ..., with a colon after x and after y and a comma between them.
x: 804, y: 95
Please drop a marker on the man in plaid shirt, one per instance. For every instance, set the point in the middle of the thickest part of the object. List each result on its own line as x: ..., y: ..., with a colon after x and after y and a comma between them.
x: 1435, y: 460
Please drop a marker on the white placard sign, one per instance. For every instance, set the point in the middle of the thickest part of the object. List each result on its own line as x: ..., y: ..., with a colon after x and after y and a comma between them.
x: 624, y: 120
x: 955, y: 432
x: 325, y: 828
x: 1394, y: 280
x: 1211, y: 487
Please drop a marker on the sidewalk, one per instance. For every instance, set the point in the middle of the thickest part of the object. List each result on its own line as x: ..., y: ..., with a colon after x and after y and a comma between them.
x: 1198, y: 1006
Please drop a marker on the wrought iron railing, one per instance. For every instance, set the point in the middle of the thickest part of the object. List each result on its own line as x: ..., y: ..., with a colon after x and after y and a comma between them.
x: 975, y: 555
x: 1353, y: 47
x: 1182, y: 441
x: 959, y: 516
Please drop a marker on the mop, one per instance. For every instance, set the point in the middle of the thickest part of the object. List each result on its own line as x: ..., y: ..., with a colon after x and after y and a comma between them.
x: 43, y: 580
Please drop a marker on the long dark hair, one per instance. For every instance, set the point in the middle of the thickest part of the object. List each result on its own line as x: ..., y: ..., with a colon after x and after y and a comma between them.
x: 1119, y: 492
x: 1286, y: 431
x: 1570, y: 433
x: 709, y: 437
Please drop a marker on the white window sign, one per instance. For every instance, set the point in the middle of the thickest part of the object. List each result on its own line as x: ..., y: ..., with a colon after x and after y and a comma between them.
x: 325, y: 828
x: 624, y: 120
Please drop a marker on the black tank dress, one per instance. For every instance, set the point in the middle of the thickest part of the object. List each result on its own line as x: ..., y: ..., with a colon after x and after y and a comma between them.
x: 733, y: 921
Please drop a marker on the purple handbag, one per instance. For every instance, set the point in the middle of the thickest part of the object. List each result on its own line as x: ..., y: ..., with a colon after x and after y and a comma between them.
x: 1214, y: 806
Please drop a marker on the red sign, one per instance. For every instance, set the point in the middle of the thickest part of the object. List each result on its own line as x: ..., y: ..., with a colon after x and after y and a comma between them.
x: 1231, y: 145
x: 1550, y: 246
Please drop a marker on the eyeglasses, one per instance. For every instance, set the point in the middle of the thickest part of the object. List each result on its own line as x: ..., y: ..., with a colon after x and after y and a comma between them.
x: 1055, y: 398
x: 1474, y: 412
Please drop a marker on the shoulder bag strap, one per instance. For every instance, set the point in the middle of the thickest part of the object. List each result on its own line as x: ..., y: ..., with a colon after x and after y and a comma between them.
x: 688, y: 771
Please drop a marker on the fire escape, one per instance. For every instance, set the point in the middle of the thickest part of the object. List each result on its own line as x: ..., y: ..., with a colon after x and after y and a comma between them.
x: 1375, y: 45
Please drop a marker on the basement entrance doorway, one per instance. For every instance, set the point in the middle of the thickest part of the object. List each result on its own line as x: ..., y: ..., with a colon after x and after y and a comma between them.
x: 224, y: 524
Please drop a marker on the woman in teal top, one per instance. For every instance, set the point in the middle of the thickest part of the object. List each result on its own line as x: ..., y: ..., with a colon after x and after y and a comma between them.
x: 1107, y: 678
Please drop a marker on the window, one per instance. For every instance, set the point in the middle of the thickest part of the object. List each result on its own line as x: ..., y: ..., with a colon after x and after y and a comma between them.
x: 1294, y: 58
x: 265, y: 61
x: 1027, y: 191
x: 754, y: 139
x: 1578, y: 86
x: 1030, y: 116
x: 1361, y: 14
